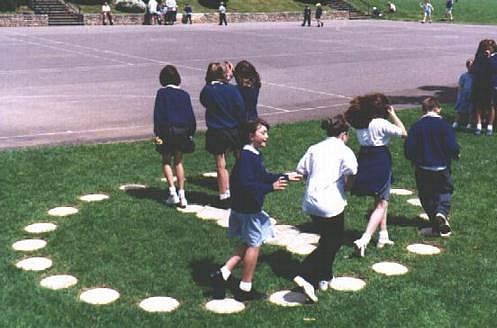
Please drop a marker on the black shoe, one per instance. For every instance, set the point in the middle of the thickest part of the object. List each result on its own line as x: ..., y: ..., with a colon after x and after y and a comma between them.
x: 443, y: 225
x: 218, y: 285
x: 243, y: 296
x: 224, y: 203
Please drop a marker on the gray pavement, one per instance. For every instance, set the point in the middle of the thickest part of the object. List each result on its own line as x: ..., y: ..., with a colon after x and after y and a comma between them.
x: 98, y: 83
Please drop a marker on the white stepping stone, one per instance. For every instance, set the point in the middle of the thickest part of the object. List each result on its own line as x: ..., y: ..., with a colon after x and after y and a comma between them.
x: 62, y: 211
x: 390, y: 268
x: 401, y: 192
x: 273, y: 221
x: 414, y: 202
x: 307, y: 238
x: 281, y: 239
x: 132, y: 186
x: 93, y: 197
x: 159, y: 304
x: 288, y: 298
x: 423, y: 249
x: 224, y: 222
x: 165, y: 180
x: 347, y: 284
x: 300, y: 248
x: 213, y: 213
x: 28, y: 245
x: 99, y: 296
x: 34, y: 264
x: 225, y: 306
x: 58, y: 281
x: 285, y: 228
x: 191, y: 208
x: 40, y: 227
x: 424, y: 216
x: 209, y: 175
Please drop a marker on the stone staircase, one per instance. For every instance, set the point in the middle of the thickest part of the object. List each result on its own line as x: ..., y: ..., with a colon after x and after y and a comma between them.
x: 353, y: 12
x: 59, y: 13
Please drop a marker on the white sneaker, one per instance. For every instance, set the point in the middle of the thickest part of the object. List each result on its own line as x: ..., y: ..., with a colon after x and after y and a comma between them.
x: 323, y: 285
x: 183, y: 202
x: 307, y: 288
x: 359, y: 248
x: 383, y: 242
x: 173, y: 199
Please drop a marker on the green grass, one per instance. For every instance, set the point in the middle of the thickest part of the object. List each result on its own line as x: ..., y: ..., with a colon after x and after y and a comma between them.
x: 478, y: 12
x: 135, y: 244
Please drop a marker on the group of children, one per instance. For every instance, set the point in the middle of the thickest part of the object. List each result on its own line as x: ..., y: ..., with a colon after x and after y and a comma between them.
x: 328, y: 167
x: 477, y: 90
x: 159, y: 12
x: 318, y: 14
x: 428, y: 10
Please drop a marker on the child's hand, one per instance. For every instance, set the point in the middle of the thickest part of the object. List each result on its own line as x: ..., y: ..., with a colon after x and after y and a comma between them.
x: 294, y: 176
x: 280, y: 184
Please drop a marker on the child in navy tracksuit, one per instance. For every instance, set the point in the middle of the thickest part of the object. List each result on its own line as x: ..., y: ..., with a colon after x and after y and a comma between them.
x: 174, y: 127
x: 431, y: 145
x: 250, y: 182
x: 224, y: 115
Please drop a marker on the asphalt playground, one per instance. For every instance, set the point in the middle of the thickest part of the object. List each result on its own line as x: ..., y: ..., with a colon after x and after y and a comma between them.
x: 65, y: 85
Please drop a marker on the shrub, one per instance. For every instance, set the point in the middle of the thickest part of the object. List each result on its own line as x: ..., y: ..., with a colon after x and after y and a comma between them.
x: 130, y: 6
x: 11, y: 5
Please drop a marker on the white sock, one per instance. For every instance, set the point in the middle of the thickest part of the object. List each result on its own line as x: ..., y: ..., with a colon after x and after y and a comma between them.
x: 365, y: 238
x: 455, y: 125
x: 181, y: 193
x: 383, y: 235
x: 224, y: 196
x: 478, y: 126
x: 468, y: 126
x: 227, y: 193
x: 172, y: 190
x: 246, y: 286
x: 225, y: 272
x: 490, y: 127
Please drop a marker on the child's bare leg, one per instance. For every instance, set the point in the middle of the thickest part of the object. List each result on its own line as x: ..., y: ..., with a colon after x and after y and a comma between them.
x: 180, y: 171
x: 168, y: 172
x: 222, y: 174
x: 236, y: 258
x: 249, y: 263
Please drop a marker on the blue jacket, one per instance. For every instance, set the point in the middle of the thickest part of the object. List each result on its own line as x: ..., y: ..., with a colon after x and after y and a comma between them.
x: 431, y: 142
x: 249, y: 182
x: 173, y: 107
x: 224, y: 106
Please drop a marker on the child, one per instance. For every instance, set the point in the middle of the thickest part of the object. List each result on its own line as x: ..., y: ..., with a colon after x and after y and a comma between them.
x: 449, y: 6
x: 367, y: 114
x: 431, y: 145
x: 319, y: 13
x: 463, y: 104
x: 188, y: 13
x: 224, y: 115
x: 326, y: 167
x: 248, y: 83
x: 222, y: 14
x: 307, y: 16
x: 174, y: 127
x: 248, y: 222
x: 427, y: 10
x: 106, y: 14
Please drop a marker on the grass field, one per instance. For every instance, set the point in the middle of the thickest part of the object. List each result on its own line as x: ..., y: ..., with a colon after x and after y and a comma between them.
x: 136, y: 245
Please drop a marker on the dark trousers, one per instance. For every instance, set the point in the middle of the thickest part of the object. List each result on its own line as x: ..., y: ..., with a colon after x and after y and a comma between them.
x: 222, y: 19
x: 318, y: 265
x: 435, y: 192
x: 307, y: 18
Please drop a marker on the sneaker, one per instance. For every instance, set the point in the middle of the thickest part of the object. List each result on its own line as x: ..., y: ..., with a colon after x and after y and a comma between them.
x: 218, y: 285
x: 173, y: 199
x: 359, y: 248
x: 306, y: 287
x: 478, y: 132
x: 224, y: 203
x: 244, y: 296
x: 382, y: 242
x: 490, y: 133
x: 323, y: 285
x: 443, y: 225
x: 183, y: 202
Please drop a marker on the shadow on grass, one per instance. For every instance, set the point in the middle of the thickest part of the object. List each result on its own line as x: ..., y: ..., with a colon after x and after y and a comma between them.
x: 282, y: 264
x: 208, y: 183
x: 155, y: 194
x: 404, y: 221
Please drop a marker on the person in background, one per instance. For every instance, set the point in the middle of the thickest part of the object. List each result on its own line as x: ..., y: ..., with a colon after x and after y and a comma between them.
x: 449, y: 6
x: 464, y: 107
x: 106, y: 14
x: 154, y: 12
x: 391, y: 8
x: 307, y: 16
x: 428, y: 9
x: 319, y: 13
x: 328, y: 167
x: 431, y: 145
x: 249, y: 84
x: 188, y: 12
x: 222, y: 14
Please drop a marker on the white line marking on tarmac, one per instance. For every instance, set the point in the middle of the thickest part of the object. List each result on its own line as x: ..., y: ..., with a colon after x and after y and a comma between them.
x: 308, y: 90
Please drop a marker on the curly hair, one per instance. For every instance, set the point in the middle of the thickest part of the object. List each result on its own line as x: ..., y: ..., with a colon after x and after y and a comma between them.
x: 215, y: 72
x: 363, y: 109
x: 334, y: 125
x: 246, y: 75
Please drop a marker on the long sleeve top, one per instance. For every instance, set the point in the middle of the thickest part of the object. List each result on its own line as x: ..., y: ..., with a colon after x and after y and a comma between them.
x: 224, y: 106
x: 173, y: 107
x: 250, y: 97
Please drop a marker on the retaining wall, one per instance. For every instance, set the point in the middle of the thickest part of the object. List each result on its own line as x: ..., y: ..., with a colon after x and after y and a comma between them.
x: 18, y: 20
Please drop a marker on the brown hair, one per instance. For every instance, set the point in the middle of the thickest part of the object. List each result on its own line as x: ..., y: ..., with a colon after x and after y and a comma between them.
x: 334, y: 125
x: 246, y: 75
x: 215, y: 72
x: 363, y: 109
x: 252, y: 126
x: 169, y: 75
x: 429, y: 104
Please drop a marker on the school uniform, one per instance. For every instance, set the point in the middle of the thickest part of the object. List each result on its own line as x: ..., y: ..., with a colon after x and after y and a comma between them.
x: 225, y: 115
x: 249, y: 184
x: 250, y: 96
x: 431, y: 145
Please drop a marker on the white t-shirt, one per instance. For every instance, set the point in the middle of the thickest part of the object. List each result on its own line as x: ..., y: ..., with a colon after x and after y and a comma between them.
x: 378, y: 133
x: 105, y: 8
x: 152, y: 6
x: 325, y: 166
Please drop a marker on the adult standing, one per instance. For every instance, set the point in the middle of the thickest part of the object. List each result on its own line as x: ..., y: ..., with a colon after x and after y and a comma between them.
x: 225, y: 116
x: 307, y: 16
x: 171, y: 7
x: 106, y: 14
x: 188, y: 13
x: 154, y: 13
x: 319, y: 13
x: 222, y: 14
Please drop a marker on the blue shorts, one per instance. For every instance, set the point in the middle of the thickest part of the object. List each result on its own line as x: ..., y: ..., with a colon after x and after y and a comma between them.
x: 251, y: 228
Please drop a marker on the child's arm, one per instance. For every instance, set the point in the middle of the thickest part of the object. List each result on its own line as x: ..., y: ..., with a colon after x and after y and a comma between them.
x: 396, y: 120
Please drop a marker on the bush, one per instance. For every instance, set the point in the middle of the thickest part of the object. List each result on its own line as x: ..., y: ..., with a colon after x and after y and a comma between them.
x: 130, y: 6
x: 11, y: 5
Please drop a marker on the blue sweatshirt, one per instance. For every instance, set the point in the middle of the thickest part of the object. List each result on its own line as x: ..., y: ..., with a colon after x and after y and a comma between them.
x: 250, y: 97
x: 224, y: 106
x: 249, y: 182
x: 173, y: 107
x: 431, y: 142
